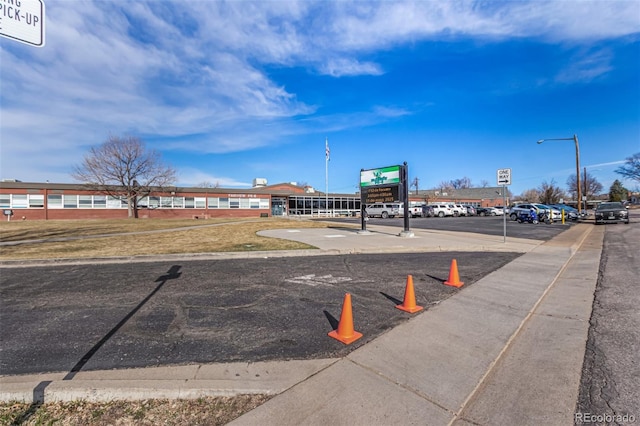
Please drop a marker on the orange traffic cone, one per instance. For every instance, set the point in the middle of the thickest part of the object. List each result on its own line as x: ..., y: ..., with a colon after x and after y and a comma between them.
x: 409, y: 303
x: 454, y: 278
x: 345, y: 332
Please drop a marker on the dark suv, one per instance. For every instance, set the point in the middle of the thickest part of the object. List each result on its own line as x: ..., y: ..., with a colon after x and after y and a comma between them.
x: 427, y: 211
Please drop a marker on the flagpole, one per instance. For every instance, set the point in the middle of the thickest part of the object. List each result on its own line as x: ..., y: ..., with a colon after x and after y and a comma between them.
x: 326, y: 176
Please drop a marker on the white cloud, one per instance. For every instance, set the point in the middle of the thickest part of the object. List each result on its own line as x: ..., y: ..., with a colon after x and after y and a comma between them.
x: 178, y: 69
x: 385, y: 111
x: 585, y: 66
x: 350, y: 67
x: 365, y: 25
x: 565, y: 21
x: 193, y: 177
x: 611, y: 163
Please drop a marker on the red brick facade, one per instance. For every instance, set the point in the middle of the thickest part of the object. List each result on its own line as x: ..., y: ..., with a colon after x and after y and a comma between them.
x: 45, y: 212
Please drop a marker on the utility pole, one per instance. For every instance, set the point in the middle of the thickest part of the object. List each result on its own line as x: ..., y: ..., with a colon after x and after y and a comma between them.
x: 415, y: 183
x: 585, y: 189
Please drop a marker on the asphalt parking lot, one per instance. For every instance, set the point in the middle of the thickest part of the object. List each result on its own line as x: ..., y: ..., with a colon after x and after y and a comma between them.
x: 489, y: 225
x: 106, y: 316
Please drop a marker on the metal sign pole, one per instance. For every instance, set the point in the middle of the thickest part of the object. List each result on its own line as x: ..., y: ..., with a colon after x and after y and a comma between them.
x: 363, y: 207
x: 405, y: 196
x: 504, y: 214
x: 504, y: 179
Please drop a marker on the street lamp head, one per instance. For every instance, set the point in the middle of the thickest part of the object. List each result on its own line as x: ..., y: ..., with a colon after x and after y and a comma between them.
x: 540, y: 141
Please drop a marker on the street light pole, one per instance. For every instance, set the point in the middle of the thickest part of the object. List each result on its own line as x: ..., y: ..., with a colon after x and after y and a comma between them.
x: 579, y: 191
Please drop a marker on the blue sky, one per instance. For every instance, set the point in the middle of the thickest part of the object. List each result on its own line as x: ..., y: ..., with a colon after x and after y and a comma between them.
x: 231, y: 91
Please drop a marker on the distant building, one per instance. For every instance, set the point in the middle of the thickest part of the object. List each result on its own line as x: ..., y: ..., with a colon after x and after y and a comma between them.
x: 48, y: 201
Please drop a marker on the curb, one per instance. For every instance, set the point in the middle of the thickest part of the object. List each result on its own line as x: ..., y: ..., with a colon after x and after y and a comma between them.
x: 173, y: 382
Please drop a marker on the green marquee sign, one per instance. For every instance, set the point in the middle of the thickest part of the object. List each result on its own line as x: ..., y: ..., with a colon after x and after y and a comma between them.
x: 382, y: 176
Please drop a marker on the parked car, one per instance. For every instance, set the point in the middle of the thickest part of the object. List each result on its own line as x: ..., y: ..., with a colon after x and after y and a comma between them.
x: 571, y: 213
x: 462, y: 210
x: 553, y: 212
x: 489, y: 211
x: 385, y: 210
x: 611, y: 212
x: 471, y: 211
x: 442, y: 210
x: 515, y: 211
x: 427, y: 211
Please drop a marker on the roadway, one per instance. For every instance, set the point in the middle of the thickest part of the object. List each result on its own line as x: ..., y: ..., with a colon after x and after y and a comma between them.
x: 610, y: 383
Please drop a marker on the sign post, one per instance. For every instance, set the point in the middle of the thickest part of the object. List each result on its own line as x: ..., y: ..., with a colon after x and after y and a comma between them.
x: 404, y: 184
x: 504, y: 179
x: 23, y: 21
x: 8, y: 214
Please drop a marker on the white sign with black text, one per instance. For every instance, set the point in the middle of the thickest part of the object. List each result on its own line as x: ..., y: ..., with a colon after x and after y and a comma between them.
x: 504, y: 176
x: 23, y: 21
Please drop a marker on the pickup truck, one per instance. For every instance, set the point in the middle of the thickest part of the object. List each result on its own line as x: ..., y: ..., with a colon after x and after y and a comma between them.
x: 415, y: 211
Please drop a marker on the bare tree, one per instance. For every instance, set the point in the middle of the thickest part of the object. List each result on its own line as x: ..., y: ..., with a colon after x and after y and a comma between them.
x: 631, y: 169
x: 462, y: 183
x: 590, y: 185
x: 531, y: 195
x: 446, y: 186
x: 484, y: 183
x: 123, y: 167
x: 549, y: 193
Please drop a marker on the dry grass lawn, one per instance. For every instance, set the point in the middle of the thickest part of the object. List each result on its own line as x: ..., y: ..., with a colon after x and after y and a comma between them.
x: 202, y: 411
x: 108, y: 238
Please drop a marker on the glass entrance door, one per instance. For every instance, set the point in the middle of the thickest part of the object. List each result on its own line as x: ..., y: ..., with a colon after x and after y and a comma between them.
x: 278, y: 206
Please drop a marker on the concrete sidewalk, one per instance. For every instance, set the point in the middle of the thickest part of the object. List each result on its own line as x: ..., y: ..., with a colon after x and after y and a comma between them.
x: 507, y: 350
x: 386, y: 239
